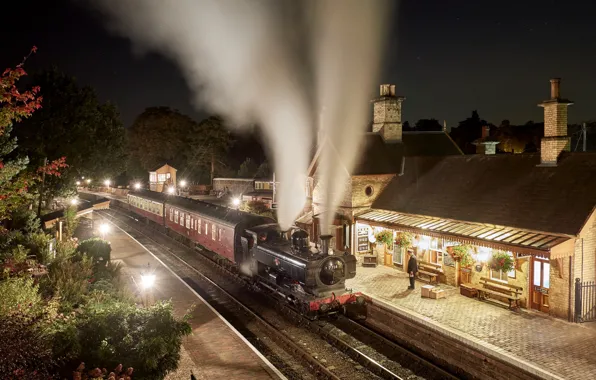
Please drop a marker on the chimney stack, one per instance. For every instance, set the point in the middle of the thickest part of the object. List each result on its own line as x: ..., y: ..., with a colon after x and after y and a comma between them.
x: 486, y: 145
x: 555, y: 138
x: 485, y: 131
x: 387, y: 114
x: 555, y: 85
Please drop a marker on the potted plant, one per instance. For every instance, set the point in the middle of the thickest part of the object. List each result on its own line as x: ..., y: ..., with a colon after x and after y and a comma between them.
x: 403, y: 239
x: 502, y: 261
x: 462, y: 254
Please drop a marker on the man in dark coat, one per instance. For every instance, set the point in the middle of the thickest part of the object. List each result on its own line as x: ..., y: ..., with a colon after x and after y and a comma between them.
x: 412, y: 270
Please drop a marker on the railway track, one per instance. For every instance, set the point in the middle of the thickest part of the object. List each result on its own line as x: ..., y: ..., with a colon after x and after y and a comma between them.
x: 362, y: 352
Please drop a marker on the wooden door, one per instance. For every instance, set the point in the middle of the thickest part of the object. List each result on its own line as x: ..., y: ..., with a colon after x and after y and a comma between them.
x: 540, y: 284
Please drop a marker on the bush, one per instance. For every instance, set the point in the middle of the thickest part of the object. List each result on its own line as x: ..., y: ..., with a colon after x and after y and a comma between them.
x: 19, y: 294
x: 97, y: 249
x: 147, y: 339
x: 24, y: 351
x: 69, y: 281
x: 70, y: 221
x: 39, y: 245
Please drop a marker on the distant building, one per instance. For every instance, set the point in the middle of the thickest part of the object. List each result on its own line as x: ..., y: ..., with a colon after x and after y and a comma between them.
x: 161, y: 178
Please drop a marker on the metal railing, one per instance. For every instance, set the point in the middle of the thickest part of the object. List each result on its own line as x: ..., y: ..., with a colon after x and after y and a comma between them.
x: 585, y: 301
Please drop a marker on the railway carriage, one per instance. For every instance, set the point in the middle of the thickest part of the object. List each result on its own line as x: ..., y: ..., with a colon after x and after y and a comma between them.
x: 151, y: 206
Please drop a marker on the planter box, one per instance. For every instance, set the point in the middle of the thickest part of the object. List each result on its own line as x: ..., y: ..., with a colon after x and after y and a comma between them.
x: 437, y: 293
x: 426, y: 290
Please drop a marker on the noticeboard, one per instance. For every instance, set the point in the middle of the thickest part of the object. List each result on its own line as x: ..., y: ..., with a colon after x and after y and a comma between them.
x: 363, y: 239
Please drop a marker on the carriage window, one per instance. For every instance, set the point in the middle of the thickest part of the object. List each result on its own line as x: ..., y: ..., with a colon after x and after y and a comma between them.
x: 171, y: 214
x: 213, y: 232
x: 182, y: 219
x: 187, y: 220
x: 175, y: 216
x: 206, y: 229
x: 199, y: 226
x: 219, y: 233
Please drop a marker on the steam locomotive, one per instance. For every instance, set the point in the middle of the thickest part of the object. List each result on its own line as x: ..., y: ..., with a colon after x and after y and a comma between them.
x: 309, y: 278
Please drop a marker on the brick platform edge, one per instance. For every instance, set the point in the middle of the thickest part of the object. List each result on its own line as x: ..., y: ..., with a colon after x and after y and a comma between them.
x: 461, y: 354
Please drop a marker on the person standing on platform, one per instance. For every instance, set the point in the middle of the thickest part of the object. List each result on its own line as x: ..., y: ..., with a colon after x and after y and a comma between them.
x: 412, y: 270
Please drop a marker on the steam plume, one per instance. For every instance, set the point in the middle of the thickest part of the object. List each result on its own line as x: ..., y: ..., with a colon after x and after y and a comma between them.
x: 255, y: 61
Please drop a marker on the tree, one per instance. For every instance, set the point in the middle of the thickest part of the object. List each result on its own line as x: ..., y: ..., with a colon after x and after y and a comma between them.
x: 406, y: 126
x: 248, y: 169
x: 264, y: 170
x: 160, y: 135
x: 209, y: 144
x: 73, y: 123
x: 428, y: 125
x: 467, y: 132
x: 16, y: 106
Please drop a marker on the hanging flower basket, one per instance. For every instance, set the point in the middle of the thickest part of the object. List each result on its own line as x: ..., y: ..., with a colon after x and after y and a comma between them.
x: 403, y: 239
x: 385, y: 237
x: 462, y: 254
x: 502, y: 261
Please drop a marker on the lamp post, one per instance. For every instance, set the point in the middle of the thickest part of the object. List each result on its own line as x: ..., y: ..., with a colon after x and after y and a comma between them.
x: 147, y: 282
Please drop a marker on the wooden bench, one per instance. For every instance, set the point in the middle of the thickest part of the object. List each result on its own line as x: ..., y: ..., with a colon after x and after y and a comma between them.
x: 430, y: 272
x: 490, y: 287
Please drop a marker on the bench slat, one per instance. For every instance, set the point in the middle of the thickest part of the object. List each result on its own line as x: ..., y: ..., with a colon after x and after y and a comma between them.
x: 513, y: 297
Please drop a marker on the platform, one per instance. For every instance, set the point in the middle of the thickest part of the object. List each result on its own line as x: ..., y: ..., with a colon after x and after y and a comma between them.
x: 549, y: 347
x: 214, y: 350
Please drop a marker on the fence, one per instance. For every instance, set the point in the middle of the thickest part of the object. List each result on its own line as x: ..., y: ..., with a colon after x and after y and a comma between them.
x: 585, y: 301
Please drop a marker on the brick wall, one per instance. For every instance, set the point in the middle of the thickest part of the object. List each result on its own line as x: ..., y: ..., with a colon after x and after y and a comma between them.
x: 236, y: 186
x: 359, y: 184
x: 558, y: 293
x: 555, y: 119
x: 522, y: 274
x: 551, y: 147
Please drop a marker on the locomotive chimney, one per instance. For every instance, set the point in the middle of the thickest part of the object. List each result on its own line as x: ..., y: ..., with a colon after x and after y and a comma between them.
x: 325, y: 239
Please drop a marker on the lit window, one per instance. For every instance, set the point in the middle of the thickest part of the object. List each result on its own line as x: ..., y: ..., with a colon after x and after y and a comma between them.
x: 199, y: 226
x: 161, y: 178
x: 503, y: 276
x: 152, y: 177
x: 206, y: 229
x: 213, y: 233
x: 176, y: 216
x: 220, y: 232
x: 171, y: 214
x: 182, y: 219
x: 187, y: 220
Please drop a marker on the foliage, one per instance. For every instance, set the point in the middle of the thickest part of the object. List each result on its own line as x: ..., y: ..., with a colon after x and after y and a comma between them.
x: 209, y: 144
x: 148, y: 339
x: 385, y: 237
x: 428, y: 125
x: 70, y: 221
x: 248, y: 169
x: 25, y: 220
x: 25, y: 353
x: 15, y: 105
x: 257, y: 207
x: 467, y: 132
x: 264, y: 171
x: 501, y: 261
x: 403, y: 239
x: 96, y: 248
x: 19, y: 294
x: 95, y: 374
x: 69, y: 281
x: 39, y: 245
x: 462, y: 253
x: 73, y: 123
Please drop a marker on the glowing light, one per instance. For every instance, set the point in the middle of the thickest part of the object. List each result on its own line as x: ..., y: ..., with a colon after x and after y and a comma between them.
x: 183, y: 183
x: 484, y: 254
x: 236, y: 201
x: 137, y: 186
x: 78, y: 183
x: 107, y: 182
x: 147, y: 280
x: 88, y: 181
x: 104, y: 228
x: 171, y: 190
x: 74, y: 201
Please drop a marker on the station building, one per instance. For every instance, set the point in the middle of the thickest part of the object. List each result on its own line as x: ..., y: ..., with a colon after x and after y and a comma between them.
x: 464, y: 217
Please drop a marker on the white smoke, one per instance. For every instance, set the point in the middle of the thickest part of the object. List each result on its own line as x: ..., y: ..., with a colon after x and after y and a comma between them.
x: 255, y: 61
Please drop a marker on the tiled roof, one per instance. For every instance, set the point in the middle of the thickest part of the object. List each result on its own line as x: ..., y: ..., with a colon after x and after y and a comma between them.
x: 493, y: 236
x: 504, y: 190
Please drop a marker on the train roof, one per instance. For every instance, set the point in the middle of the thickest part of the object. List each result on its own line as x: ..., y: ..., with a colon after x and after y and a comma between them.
x: 221, y: 213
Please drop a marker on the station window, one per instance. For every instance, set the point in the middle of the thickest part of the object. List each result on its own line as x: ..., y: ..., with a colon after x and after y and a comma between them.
x: 213, y: 233
x: 503, y: 276
x: 175, y: 216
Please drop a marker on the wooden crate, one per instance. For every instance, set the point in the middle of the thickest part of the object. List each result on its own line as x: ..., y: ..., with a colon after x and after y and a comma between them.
x: 468, y: 291
x: 369, y: 261
x: 426, y: 290
x: 437, y: 293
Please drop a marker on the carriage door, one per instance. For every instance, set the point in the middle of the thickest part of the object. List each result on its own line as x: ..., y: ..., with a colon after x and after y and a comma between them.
x: 540, y: 284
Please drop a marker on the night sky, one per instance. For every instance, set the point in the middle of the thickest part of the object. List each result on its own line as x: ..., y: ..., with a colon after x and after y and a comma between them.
x: 446, y: 57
